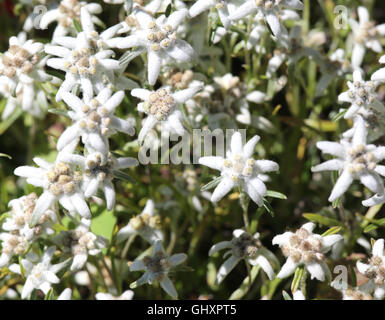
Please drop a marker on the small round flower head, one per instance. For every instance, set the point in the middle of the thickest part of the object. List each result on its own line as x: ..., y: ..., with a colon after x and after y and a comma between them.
x: 375, y: 269
x: 80, y: 243
x: 84, y: 63
x: 126, y: 295
x: 271, y: 10
x: 362, y: 96
x: 98, y: 172
x: 21, y: 69
x: 157, y: 268
x: 366, y: 35
x: 160, y: 40
x: 40, y: 273
x: 147, y: 225
x: 356, y: 294
x: 94, y: 121
x: 64, y: 15
x: 161, y: 106
x: 240, y: 169
x: 243, y: 247
x: 305, y: 248
x: 60, y: 182
x: 356, y: 160
x: 222, y: 6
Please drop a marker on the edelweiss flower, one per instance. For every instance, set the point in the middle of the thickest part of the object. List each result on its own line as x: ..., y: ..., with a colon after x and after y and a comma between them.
x: 362, y: 96
x: 161, y: 106
x: 21, y: 69
x: 305, y: 248
x: 240, y: 169
x: 80, y: 243
x: 159, y: 38
x: 60, y: 182
x: 94, y: 120
x: 91, y: 68
x: 243, y: 246
x: 65, y: 13
x: 157, y: 268
x: 221, y: 5
x: 355, y: 161
x: 375, y: 269
x: 270, y: 9
x: 20, y: 233
x: 40, y: 273
x: 126, y: 295
x: 366, y: 35
x: 147, y: 225
x: 98, y: 172
x: 358, y: 293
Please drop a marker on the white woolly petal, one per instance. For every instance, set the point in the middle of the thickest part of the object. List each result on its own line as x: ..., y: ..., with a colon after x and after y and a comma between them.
x: 219, y: 246
x: 226, y: 268
x: 248, y: 148
x: 333, y: 148
x: 199, y: 6
x: 212, y: 162
x: 222, y: 189
x: 378, y: 248
x: 287, y: 269
x: 343, y: 183
x: 330, y: 165
x: 316, y: 271
x: 168, y: 286
x: 282, y: 239
x: 154, y: 64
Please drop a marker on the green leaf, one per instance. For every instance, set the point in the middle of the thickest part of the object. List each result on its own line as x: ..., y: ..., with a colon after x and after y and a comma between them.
x: 49, y: 295
x: 77, y: 25
x: 103, y: 225
x: 246, y: 284
x: 3, y: 155
x: 299, y: 272
x: 286, y: 296
x: 268, y: 207
x: 339, y: 116
x: 370, y: 228
x: 275, y: 194
x: 58, y: 112
x: 212, y: 184
x: 123, y: 176
x: 168, y: 10
x: 332, y: 230
x: 329, y: 222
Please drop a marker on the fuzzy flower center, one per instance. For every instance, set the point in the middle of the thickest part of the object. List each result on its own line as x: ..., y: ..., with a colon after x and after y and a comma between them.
x: 245, y: 246
x: 160, y: 36
x: 69, y: 10
x: 17, y: 59
x: 157, y: 264
x: 363, y: 93
x: 239, y: 167
x: 303, y: 247
x: 366, y: 32
x: 95, y: 167
x: 361, y: 159
x: 357, y: 295
x: 14, y: 245
x: 79, y: 241
x: 267, y: 4
x: 159, y: 104
x: 62, y: 179
x: 81, y: 62
x: 95, y: 116
x: 376, y: 270
x: 145, y: 220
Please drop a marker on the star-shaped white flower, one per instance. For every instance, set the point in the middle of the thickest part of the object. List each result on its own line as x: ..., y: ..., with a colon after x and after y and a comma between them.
x: 21, y: 70
x: 94, y: 121
x: 157, y: 268
x: 162, y: 106
x: 60, y: 182
x: 98, y: 172
x: 41, y: 274
x: 84, y: 64
x: 270, y: 9
x: 362, y: 96
x: 159, y: 38
x: 305, y: 248
x: 64, y: 14
x: 366, y: 35
x: 147, y: 225
x: 243, y: 246
x: 374, y: 269
x: 240, y: 169
x: 80, y: 243
x: 355, y: 160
